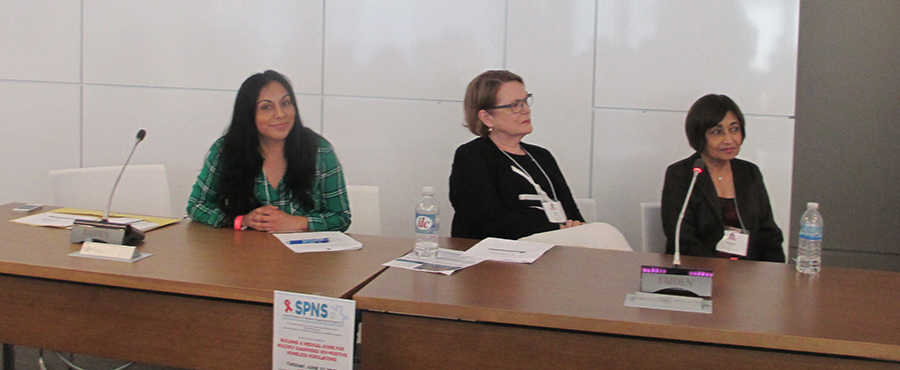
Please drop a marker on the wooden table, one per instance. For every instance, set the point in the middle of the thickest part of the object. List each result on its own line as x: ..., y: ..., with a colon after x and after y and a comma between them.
x: 566, y: 311
x: 203, y: 300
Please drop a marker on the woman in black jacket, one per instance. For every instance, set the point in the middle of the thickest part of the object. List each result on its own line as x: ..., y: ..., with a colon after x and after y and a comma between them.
x: 500, y: 186
x: 729, y: 201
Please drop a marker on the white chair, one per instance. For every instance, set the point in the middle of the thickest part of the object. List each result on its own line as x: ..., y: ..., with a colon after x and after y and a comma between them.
x: 588, y: 208
x: 365, y: 210
x: 143, y: 189
x: 597, y: 235
x: 652, y: 234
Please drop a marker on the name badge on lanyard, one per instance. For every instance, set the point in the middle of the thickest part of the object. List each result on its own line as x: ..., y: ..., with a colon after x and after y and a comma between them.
x: 555, y: 212
x: 734, y: 241
x: 554, y: 209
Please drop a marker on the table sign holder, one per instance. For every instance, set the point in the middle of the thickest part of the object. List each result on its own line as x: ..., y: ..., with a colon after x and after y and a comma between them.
x: 105, y: 232
x: 677, y: 281
x: 112, y: 252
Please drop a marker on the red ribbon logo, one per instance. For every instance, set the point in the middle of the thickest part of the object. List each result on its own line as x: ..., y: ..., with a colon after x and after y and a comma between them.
x: 287, y: 305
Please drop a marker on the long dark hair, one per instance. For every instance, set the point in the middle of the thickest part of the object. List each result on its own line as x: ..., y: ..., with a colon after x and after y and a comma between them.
x: 242, y: 158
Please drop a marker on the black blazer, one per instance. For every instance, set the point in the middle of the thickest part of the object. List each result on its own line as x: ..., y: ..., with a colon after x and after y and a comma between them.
x: 485, y: 192
x: 703, y: 224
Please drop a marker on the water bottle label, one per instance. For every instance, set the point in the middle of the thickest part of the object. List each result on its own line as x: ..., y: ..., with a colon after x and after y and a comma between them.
x: 426, y: 224
x: 810, y: 233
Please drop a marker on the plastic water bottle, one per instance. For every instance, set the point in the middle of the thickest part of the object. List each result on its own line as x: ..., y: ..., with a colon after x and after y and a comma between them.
x: 428, y: 222
x: 809, y: 258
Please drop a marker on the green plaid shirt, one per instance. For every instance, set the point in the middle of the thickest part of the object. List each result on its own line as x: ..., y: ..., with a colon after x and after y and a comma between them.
x: 329, y: 193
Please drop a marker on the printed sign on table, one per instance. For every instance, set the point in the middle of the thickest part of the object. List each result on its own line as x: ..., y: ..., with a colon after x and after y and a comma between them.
x: 312, y: 332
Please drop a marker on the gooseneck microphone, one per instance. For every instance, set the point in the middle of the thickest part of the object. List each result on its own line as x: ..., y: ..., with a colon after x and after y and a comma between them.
x: 104, y: 231
x: 698, y: 168
x: 676, y: 280
x: 140, y: 137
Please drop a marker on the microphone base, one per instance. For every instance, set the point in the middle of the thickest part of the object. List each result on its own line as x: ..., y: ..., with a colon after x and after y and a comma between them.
x: 105, y: 232
x: 676, y: 281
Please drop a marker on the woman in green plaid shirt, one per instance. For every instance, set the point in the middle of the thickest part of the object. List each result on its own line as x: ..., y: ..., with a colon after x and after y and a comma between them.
x: 269, y: 172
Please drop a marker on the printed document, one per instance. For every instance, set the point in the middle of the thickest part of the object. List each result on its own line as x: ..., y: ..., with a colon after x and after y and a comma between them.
x: 506, y: 250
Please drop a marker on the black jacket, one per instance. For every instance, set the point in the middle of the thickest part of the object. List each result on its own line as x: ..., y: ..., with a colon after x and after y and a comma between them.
x: 703, y: 224
x: 485, y: 192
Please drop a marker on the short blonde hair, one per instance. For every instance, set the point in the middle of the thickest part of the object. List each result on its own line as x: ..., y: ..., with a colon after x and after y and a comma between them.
x: 482, y: 94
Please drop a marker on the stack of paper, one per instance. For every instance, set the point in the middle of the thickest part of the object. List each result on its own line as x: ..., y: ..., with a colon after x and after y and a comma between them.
x: 507, y: 250
x: 323, y: 241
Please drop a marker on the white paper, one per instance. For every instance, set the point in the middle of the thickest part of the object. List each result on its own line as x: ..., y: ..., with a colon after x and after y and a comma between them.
x: 446, y: 262
x: 141, y: 256
x: 312, y: 332
x: 668, y: 302
x: 53, y: 219
x: 109, y: 250
x: 506, y: 250
x: 336, y: 241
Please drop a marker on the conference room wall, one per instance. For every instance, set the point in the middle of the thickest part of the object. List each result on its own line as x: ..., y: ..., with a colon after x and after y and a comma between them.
x: 173, y: 67
x: 39, y: 133
x: 40, y: 41
x: 847, y: 136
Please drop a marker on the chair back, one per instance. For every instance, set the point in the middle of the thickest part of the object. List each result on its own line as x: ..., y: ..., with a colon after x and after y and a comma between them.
x: 652, y: 235
x: 365, y: 210
x: 143, y: 189
x: 588, y: 209
x: 593, y: 235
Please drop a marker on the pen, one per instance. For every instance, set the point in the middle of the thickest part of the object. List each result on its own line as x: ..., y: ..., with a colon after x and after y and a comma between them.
x: 505, y: 250
x: 309, y: 241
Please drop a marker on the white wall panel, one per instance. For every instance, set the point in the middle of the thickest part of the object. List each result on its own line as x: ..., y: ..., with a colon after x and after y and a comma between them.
x: 39, y: 133
x: 546, y: 33
x: 181, y: 126
x: 409, y: 48
x: 399, y: 146
x: 40, y: 40
x: 202, y: 44
x: 665, y: 54
x: 632, y: 150
x: 310, y: 108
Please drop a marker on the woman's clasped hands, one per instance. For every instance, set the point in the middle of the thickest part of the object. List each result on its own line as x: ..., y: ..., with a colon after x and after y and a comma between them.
x: 272, y: 219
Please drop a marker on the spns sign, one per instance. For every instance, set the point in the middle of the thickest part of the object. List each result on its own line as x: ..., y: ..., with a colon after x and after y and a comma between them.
x: 318, y: 311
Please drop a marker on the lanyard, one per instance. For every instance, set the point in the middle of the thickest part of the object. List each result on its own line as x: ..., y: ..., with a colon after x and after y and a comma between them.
x: 524, y: 173
x: 266, y: 180
x: 738, y: 211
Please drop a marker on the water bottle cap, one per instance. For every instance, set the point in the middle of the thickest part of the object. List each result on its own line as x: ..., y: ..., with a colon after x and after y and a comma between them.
x: 428, y: 190
x: 812, y: 205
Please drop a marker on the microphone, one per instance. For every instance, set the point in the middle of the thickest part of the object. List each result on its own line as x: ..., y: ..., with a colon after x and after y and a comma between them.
x: 103, y: 230
x: 697, y: 169
x: 677, y: 280
x: 140, y: 137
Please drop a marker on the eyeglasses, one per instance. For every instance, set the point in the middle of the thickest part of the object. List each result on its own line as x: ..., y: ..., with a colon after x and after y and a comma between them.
x: 516, y: 106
